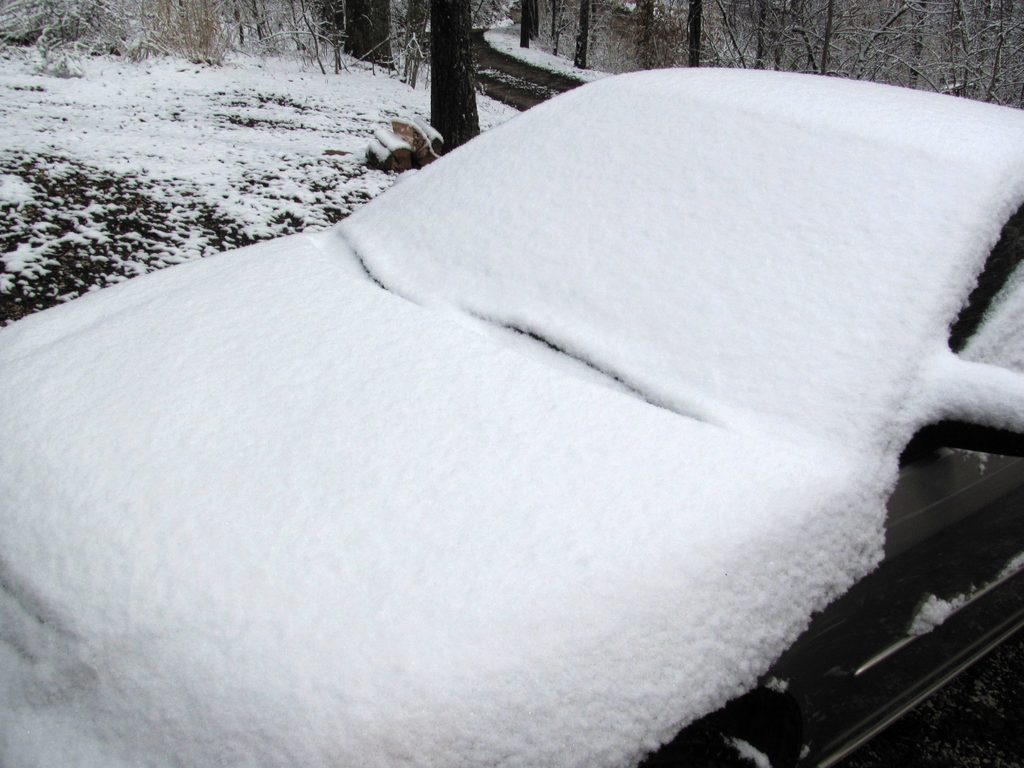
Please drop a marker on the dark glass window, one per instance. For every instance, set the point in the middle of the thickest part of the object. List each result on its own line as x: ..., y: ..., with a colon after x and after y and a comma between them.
x: 1004, y: 258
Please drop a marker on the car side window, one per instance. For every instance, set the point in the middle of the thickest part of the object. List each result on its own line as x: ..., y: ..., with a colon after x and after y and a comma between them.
x: 998, y: 292
x: 989, y: 329
x: 1000, y: 339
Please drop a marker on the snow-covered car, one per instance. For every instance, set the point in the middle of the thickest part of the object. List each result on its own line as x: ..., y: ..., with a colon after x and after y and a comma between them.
x: 554, y: 448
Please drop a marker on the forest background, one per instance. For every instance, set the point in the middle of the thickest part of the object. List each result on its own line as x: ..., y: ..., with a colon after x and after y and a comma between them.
x: 970, y: 48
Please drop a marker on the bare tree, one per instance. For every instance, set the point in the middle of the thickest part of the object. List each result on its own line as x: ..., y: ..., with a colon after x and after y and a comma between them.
x: 414, y: 48
x: 368, y: 30
x: 526, y: 23
x: 759, y: 32
x: 582, y: 35
x: 694, y: 24
x: 826, y: 45
x: 452, y: 92
x: 645, y: 55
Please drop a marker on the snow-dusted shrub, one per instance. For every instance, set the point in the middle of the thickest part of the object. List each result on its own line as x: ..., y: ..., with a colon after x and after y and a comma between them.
x: 63, y: 29
x: 487, y: 13
x: 192, y: 30
x: 57, y: 58
x: 27, y: 21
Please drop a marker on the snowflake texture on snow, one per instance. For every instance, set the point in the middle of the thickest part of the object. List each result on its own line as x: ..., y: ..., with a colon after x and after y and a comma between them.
x: 336, y: 500
x: 135, y: 167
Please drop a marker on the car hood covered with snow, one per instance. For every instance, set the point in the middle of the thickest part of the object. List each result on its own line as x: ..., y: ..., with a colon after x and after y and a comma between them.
x: 265, y: 510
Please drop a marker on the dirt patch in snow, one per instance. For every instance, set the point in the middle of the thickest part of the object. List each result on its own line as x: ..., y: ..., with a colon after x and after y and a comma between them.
x: 136, y: 167
x: 86, y: 228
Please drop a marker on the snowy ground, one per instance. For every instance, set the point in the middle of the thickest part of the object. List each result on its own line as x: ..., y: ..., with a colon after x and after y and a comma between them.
x: 135, y: 167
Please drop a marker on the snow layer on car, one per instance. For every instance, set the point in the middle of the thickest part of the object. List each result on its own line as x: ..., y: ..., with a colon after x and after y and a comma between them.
x: 746, y: 247
x: 258, y: 512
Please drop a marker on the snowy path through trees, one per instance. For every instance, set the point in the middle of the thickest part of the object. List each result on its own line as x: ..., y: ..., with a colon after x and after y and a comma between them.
x: 513, y: 82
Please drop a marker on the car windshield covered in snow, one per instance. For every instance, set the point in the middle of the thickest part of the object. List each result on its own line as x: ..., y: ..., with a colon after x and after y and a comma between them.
x: 527, y: 467
x: 726, y: 258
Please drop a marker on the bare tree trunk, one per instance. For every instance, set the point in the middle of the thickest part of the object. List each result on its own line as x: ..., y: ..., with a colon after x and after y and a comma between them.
x: 916, y: 47
x: 762, y: 13
x: 314, y: 34
x: 1000, y: 33
x: 258, y: 19
x: 694, y: 17
x: 645, y: 57
x: 241, y: 29
x: 368, y: 31
x: 416, y: 17
x: 525, y: 23
x: 957, y: 79
x: 582, y: 35
x: 557, y: 8
x: 452, y: 93
x: 826, y: 45
x: 778, y: 18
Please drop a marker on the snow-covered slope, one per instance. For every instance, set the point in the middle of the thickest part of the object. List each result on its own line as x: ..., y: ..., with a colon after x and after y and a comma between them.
x: 260, y: 511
